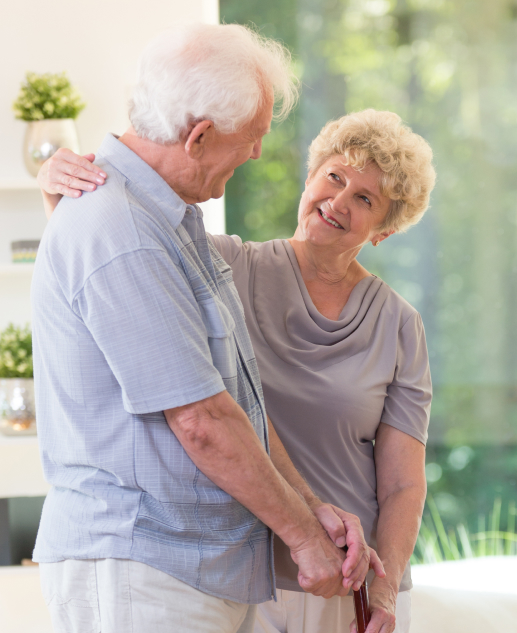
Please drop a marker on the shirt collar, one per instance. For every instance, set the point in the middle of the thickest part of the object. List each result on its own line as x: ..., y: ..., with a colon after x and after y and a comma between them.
x: 145, y: 178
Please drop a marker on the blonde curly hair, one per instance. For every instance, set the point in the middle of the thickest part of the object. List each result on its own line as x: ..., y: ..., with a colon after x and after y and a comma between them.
x: 404, y: 158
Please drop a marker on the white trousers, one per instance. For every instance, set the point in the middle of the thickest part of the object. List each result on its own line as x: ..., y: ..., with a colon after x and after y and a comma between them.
x: 296, y: 612
x: 122, y: 596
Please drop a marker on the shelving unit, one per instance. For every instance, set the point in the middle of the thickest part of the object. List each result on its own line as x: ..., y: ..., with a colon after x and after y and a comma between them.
x: 18, y: 184
x: 21, y: 474
x: 8, y: 270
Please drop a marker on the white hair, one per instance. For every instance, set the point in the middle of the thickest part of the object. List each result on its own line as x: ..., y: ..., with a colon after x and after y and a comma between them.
x: 222, y: 73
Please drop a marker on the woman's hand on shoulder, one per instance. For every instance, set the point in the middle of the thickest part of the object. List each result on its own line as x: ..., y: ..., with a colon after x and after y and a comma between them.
x: 69, y: 174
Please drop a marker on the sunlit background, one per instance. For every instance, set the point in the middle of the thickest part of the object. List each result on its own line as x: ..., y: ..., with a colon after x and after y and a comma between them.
x: 449, y: 69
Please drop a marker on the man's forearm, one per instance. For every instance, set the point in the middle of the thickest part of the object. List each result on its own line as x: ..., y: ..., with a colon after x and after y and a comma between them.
x: 227, y: 450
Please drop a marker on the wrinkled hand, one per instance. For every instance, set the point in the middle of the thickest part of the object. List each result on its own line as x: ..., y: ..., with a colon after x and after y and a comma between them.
x: 320, y: 566
x: 345, y: 528
x: 383, y: 601
x: 68, y: 174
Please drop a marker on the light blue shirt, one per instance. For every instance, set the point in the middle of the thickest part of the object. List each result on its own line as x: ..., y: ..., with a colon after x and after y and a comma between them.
x: 135, y: 312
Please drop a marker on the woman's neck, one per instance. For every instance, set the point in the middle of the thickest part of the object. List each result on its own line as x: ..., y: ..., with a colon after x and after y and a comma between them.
x: 329, y: 276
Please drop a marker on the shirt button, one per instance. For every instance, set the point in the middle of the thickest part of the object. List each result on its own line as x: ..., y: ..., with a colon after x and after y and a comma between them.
x: 188, y: 211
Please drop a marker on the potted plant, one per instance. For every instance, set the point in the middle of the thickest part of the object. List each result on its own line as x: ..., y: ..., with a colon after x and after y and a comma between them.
x: 17, y: 412
x: 49, y: 104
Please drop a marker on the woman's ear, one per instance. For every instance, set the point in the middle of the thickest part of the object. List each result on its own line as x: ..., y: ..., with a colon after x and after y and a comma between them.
x: 310, y: 176
x: 195, y: 144
x: 380, y: 237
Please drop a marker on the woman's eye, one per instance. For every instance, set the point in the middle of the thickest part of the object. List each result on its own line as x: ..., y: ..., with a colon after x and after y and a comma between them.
x: 334, y: 176
x: 367, y: 200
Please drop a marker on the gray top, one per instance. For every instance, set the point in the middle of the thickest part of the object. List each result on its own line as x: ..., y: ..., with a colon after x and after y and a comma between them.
x: 328, y: 384
x: 134, y: 312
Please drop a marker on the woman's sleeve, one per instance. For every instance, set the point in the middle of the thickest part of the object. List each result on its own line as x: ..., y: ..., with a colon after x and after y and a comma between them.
x: 408, y: 402
x: 230, y: 246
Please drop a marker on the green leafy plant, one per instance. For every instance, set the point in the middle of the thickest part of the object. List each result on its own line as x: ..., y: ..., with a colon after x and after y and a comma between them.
x: 47, y: 96
x: 436, y: 543
x: 16, y: 352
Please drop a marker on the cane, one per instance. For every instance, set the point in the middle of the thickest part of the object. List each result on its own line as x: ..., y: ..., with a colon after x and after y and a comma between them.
x: 361, y: 605
x: 362, y: 608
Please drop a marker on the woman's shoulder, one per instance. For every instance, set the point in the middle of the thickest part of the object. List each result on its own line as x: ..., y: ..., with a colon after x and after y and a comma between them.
x: 397, y: 307
x: 232, y: 248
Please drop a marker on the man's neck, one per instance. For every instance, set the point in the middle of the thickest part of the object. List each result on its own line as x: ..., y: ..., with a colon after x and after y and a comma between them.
x: 169, y: 161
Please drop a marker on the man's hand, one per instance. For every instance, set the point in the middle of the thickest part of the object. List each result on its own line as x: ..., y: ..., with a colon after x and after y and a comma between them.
x: 383, y: 601
x: 345, y: 528
x: 320, y: 566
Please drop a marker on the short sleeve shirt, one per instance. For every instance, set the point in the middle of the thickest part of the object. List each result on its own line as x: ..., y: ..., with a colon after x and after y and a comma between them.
x: 135, y: 312
x: 329, y: 384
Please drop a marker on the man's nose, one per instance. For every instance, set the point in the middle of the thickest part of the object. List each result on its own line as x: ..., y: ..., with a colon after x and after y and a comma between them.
x: 256, y: 152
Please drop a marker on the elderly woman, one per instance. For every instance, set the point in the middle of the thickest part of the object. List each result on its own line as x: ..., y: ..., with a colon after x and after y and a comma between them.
x: 342, y: 357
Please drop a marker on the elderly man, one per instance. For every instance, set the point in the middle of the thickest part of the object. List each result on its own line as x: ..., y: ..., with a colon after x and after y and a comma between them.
x: 151, y: 417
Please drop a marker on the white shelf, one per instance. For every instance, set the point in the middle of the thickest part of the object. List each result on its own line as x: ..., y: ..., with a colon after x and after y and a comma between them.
x: 22, y: 440
x: 19, y: 184
x: 21, y: 474
x: 10, y: 270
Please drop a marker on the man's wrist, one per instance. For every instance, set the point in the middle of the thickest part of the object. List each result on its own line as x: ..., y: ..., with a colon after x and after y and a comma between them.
x: 304, y: 528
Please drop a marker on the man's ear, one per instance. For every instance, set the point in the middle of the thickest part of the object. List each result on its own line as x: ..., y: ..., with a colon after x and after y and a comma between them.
x: 196, y: 139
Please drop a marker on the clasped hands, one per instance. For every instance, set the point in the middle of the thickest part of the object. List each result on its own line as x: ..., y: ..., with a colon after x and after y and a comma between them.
x: 324, y: 568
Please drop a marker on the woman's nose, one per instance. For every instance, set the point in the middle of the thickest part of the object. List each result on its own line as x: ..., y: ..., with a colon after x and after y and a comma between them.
x: 341, y: 200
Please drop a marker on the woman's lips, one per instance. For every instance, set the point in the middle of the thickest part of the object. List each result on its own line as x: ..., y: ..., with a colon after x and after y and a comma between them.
x: 329, y: 220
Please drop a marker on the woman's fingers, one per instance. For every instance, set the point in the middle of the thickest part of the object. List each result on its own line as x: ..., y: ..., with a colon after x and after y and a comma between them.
x: 67, y: 191
x: 77, y: 178
x: 376, y: 564
x: 332, y: 523
x: 356, y: 577
x: 62, y: 169
x: 66, y: 172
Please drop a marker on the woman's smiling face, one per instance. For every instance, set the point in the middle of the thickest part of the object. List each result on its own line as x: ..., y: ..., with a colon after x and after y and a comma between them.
x: 342, y: 207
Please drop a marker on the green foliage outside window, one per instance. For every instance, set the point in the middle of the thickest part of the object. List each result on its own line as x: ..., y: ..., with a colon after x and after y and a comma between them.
x: 449, y: 69
x: 47, y: 96
x: 16, y: 352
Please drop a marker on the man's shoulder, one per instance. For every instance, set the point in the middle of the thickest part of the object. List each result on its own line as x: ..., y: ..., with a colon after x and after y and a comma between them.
x: 87, y: 233
x: 105, y: 210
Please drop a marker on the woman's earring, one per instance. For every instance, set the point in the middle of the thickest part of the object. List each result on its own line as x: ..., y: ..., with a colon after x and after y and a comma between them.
x: 376, y: 243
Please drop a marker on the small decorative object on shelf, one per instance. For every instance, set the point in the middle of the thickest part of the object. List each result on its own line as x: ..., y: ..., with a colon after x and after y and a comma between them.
x: 49, y: 104
x: 17, y: 409
x: 24, y: 252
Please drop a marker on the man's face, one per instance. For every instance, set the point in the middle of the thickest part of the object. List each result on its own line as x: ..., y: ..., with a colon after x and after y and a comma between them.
x: 226, y: 152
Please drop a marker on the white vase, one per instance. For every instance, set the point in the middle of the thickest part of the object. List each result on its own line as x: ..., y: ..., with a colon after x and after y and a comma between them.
x: 44, y: 138
x: 17, y: 410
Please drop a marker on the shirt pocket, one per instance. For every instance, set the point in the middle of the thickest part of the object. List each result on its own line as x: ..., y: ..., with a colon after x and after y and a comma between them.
x: 220, y: 328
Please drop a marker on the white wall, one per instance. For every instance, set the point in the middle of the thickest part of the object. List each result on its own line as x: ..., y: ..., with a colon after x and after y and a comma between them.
x: 97, y: 43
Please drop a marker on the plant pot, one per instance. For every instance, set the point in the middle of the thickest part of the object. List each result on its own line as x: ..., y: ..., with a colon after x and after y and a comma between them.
x: 17, y: 410
x: 44, y: 138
